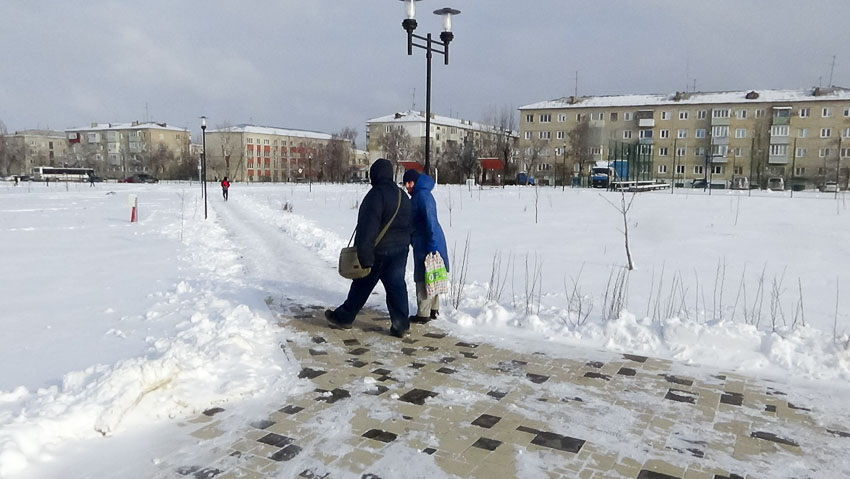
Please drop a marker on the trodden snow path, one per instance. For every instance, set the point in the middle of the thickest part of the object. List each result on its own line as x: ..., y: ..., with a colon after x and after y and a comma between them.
x: 433, y: 405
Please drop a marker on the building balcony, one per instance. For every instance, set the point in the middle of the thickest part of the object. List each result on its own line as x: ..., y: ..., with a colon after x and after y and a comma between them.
x: 719, y: 160
x: 646, y: 123
x: 645, y: 141
x: 777, y: 160
x: 781, y: 120
x: 720, y: 121
x: 779, y: 140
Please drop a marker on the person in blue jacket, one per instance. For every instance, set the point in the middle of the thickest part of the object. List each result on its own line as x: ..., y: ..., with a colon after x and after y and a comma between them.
x: 426, y: 237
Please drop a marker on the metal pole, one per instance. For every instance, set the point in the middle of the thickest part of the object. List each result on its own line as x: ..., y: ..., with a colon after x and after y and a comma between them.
x: 838, y: 166
x: 204, y: 166
x: 428, y: 109
x: 564, y: 173
x: 673, y: 172
x: 793, y: 163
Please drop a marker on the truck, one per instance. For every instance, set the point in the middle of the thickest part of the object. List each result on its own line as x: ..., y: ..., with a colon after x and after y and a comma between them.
x: 603, y: 173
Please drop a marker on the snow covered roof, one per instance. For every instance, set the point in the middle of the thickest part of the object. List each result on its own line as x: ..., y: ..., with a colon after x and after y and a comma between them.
x: 47, y: 133
x: 695, y: 98
x: 270, y: 130
x: 136, y: 125
x: 418, y: 116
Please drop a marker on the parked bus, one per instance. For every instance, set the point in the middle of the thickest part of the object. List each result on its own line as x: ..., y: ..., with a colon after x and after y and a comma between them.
x: 59, y: 173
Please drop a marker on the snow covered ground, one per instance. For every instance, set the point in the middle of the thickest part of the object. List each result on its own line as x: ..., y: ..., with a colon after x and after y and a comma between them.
x: 112, y: 329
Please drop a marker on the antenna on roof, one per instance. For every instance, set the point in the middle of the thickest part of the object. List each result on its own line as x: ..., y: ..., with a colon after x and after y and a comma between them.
x: 694, y: 89
x: 831, y: 70
x: 575, y: 92
x: 413, y: 107
x: 147, y: 115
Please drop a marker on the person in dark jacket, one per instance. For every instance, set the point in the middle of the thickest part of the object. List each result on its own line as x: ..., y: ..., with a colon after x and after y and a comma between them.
x: 388, y: 259
x: 427, y: 237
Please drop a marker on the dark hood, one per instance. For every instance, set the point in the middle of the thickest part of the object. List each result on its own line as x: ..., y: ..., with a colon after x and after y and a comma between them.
x: 381, y: 171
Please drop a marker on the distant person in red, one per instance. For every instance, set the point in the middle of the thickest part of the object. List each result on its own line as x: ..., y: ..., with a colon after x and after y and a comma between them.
x: 225, y: 185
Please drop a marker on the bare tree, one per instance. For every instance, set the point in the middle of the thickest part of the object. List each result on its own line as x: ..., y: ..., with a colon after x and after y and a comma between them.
x: 349, y: 134
x: 624, y: 208
x: 501, y: 143
x: 580, y: 145
x: 397, y: 146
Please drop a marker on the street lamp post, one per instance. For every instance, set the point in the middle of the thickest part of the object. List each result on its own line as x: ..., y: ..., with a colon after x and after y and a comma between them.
x: 409, y: 24
x: 564, y: 173
x: 204, y: 160
x: 310, y: 171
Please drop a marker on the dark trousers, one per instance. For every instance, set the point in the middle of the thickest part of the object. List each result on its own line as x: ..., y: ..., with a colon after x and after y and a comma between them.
x: 224, y: 193
x: 388, y: 269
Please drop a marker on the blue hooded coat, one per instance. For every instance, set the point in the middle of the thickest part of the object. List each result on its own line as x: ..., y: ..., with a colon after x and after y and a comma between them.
x: 427, y: 235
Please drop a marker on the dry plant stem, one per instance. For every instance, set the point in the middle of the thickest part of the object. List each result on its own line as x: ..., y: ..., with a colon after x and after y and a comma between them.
x: 624, y: 210
x: 738, y: 296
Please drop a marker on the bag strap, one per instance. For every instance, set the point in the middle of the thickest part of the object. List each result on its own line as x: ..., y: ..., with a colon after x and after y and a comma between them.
x: 384, y: 231
x: 386, y: 227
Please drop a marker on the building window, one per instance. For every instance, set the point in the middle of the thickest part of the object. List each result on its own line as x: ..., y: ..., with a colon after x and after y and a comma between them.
x: 740, y: 132
x: 720, y: 113
x: 799, y: 171
x: 662, y: 151
x: 681, y: 151
x: 845, y: 152
x: 645, y: 134
x: 805, y: 112
x: 699, y: 151
x: 613, y: 116
x: 251, y: 140
x: 545, y: 135
x: 529, y: 118
x: 558, y: 151
x: 662, y: 169
x: 702, y: 114
x: 562, y: 117
x: 700, y: 133
x: 627, y: 134
x: 527, y: 135
x: 719, y: 150
x: 682, y: 133
x: 823, y: 152
x: 716, y: 170
x: 847, y: 111
x: 782, y: 113
x: 738, y: 170
x: 560, y: 135
x: 779, y: 130
x: 683, y: 115
x: 825, y: 132
x: 665, y: 115
x: 778, y: 150
x: 547, y: 118
x: 627, y: 116
x: 680, y: 169
x: 803, y: 133
x: 664, y: 134
x: 720, y: 131
x: 742, y: 114
x: 800, y: 153
x: 596, y: 150
x: 698, y: 170
x: 759, y: 113
x: 845, y: 133
x: 826, y: 112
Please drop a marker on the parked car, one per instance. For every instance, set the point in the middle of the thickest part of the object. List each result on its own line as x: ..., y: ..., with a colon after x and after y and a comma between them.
x: 776, y: 183
x: 829, y: 187
x: 700, y: 183
x: 740, y: 183
x: 140, y: 178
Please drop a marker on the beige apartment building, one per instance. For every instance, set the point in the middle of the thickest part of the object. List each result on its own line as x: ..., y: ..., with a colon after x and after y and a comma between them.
x: 447, y: 136
x: 802, y: 136
x: 260, y: 153
x: 118, y: 150
x: 26, y: 149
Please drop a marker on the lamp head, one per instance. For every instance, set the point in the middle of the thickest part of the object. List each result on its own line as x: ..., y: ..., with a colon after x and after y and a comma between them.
x: 447, y: 13
x: 410, y: 8
x: 203, y: 122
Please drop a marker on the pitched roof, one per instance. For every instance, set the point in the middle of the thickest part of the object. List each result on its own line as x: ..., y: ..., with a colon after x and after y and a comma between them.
x: 413, y: 116
x: 136, y: 125
x: 271, y: 130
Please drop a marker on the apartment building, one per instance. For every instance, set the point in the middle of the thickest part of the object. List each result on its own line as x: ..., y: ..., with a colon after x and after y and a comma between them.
x: 447, y: 134
x: 28, y: 148
x: 259, y: 153
x: 800, y: 135
x: 117, y: 150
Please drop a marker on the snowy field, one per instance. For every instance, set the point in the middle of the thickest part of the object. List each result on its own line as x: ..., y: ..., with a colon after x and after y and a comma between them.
x: 112, y: 329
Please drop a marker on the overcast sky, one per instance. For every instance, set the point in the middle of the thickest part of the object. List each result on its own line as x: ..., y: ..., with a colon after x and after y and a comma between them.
x: 329, y: 64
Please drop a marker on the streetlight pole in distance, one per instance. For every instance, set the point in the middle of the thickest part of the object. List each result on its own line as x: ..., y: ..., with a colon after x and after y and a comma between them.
x: 409, y: 24
x: 204, y: 162
x: 564, y: 173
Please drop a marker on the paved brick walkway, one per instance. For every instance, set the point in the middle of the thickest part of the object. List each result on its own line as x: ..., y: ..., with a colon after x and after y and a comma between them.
x: 446, y: 407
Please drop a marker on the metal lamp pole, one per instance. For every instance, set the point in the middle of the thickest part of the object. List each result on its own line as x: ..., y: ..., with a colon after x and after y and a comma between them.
x: 564, y: 173
x: 204, y: 163
x: 409, y: 24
